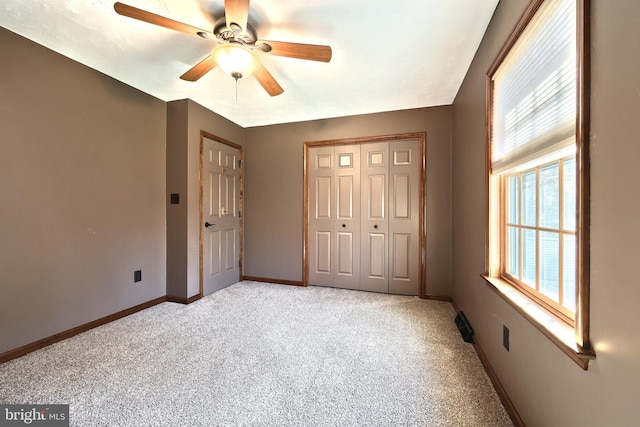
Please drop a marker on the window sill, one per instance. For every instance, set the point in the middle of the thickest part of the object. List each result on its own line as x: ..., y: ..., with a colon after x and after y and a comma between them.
x: 558, y: 332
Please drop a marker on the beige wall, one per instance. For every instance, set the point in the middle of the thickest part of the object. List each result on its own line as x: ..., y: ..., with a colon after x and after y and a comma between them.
x: 81, y: 194
x: 177, y: 183
x: 547, y: 388
x: 185, y: 120
x: 273, y: 174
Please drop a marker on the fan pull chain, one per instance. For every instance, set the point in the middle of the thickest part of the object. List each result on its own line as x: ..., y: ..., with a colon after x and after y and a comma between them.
x: 236, y: 75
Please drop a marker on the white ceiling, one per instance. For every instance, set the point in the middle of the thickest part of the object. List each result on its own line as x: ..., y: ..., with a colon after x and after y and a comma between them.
x: 387, y: 55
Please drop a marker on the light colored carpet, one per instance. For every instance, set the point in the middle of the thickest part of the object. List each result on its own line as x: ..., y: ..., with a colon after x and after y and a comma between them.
x: 263, y: 354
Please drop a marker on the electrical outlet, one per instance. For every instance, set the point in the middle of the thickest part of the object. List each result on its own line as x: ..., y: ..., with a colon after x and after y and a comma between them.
x: 137, y: 276
x: 505, y: 337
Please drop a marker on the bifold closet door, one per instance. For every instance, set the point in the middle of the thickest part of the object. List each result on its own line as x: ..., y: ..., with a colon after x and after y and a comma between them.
x: 405, y: 166
x: 390, y: 211
x: 374, y: 171
x: 321, y: 220
x: 347, y: 225
x: 334, y: 216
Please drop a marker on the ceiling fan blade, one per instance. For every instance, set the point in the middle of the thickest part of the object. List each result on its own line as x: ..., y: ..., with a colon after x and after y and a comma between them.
x: 267, y: 81
x: 312, y: 52
x: 236, y: 12
x: 152, y: 18
x: 200, y: 69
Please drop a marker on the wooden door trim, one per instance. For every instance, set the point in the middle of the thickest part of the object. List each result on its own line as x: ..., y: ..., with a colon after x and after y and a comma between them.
x: 203, y: 135
x: 422, y: 138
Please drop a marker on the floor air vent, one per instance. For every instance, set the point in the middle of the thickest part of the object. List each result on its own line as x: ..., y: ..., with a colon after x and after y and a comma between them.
x: 464, y: 327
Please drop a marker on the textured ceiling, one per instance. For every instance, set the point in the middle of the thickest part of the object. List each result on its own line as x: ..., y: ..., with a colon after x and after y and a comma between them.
x: 387, y: 55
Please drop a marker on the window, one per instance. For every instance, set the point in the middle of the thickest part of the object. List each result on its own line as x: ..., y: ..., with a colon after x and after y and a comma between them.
x: 537, y: 109
x: 540, y: 234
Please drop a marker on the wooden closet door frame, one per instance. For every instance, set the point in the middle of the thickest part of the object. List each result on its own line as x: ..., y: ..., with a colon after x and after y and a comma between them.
x: 422, y: 138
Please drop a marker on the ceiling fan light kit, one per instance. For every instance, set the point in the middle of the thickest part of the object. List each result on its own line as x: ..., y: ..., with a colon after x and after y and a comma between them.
x: 235, y: 60
x: 237, y: 43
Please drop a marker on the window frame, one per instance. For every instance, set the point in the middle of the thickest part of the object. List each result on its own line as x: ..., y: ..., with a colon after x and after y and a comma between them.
x: 560, y: 311
x: 571, y: 336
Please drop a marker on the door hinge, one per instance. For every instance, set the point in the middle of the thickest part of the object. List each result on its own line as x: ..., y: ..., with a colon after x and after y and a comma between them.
x: 240, y: 163
x: 239, y: 214
x: 240, y: 263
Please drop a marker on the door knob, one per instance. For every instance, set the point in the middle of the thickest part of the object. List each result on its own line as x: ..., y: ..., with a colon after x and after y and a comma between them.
x: 208, y: 224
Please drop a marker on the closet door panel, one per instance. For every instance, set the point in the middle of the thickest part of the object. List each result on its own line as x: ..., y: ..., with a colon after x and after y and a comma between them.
x: 404, y: 196
x: 374, y: 224
x: 321, y: 216
x: 347, y: 222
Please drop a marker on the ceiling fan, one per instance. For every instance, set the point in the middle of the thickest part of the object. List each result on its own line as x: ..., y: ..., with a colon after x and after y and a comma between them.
x: 237, y: 42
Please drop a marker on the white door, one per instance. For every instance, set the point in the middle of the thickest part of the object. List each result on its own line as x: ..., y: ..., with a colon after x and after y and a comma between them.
x: 220, y: 215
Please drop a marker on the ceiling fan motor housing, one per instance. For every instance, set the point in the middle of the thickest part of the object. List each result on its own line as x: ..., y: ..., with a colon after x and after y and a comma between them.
x: 234, y: 32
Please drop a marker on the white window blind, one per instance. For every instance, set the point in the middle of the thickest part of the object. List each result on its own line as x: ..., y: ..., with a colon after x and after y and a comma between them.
x: 534, y: 98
